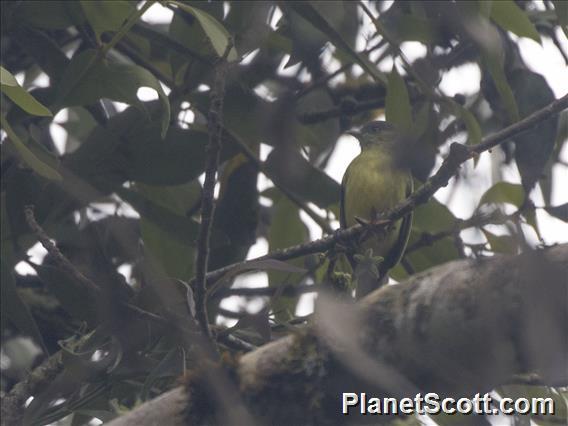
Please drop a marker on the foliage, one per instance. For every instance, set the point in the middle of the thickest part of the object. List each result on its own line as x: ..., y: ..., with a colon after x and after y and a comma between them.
x: 122, y: 190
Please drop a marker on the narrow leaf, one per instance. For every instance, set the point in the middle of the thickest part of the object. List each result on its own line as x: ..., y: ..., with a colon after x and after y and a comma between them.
x: 309, y: 13
x: 217, y: 34
x: 504, y: 192
x: 511, y: 17
x: 20, y: 96
x: 39, y: 166
x: 398, y: 109
x: 102, y: 79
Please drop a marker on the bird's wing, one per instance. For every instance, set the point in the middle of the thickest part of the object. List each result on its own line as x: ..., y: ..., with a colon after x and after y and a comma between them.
x: 397, y: 251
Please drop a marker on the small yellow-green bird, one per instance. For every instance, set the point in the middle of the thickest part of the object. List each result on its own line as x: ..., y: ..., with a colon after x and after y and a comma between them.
x: 376, y: 180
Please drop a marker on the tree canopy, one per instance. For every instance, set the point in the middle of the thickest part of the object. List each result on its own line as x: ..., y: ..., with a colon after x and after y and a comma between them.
x: 147, y: 146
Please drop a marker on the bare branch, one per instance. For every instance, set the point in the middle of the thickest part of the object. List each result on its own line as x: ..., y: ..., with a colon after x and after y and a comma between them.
x: 42, y: 375
x: 215, y: 130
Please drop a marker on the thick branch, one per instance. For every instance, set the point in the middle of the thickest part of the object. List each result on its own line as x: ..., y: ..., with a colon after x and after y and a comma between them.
x: 464, y: 327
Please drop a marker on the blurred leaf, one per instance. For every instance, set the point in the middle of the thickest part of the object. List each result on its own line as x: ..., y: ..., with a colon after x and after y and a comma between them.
x: 179, y: 227
x: 494, y: 64
x: 433, y: 217
x: 561, y: 8
x: 506, y: 244
x: 76, y: 299
x: 534, y: 147
x: 28, y: 156
x: 44, y: 50
x: 307, y: 181
x: 102, y: 79
x: 14, y: 309
x: 398, y: 108
x: 237, y: 211
x: 12, y: 89
x: 106, y: 15
x: 249, y: 22
x: 256, y: 323
x: 442, y: 251
x: 504, y: 192
x: 171, y: 365
x: 559, y: 212
x: 407, y: 27
x: 311, y: 14
x: 473, y: 128
x: 286, y: 229
x: 176, y: 257
x: 216, y: 33
x: 50, y: 15
x: 512, y: 18
x: 255, y: 265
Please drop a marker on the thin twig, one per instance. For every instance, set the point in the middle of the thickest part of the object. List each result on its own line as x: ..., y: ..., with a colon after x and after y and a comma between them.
x: 458, y: 155
x: 215, y: 130
x: 343, y: 109
x: 68, y: 267
x: 58, y: 257
x: 13, y: 402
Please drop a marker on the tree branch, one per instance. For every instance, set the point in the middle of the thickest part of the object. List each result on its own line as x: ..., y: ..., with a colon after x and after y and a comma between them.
x: 462, y: 328
x: 458, y: 155
x: 13, y: 402
x: 215, y: 130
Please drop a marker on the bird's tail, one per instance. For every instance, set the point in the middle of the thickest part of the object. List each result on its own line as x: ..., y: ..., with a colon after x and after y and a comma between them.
x: 368, y: 280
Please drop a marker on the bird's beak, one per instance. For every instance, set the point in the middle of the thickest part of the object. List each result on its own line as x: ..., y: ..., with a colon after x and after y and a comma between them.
x: 355, y: 133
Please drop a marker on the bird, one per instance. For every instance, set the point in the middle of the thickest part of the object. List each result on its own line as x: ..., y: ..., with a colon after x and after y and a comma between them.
x: 374, y: 182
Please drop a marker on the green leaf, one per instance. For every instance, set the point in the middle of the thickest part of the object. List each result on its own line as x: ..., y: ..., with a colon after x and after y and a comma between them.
x: 510, y: 17
x: 309, y: 13
x: 50, y: 15
x: 20, y: 96
x: 102, y: 79
x: 398, y: 109
x: 106, y: 15
x: 307, y: 181
x: 504, y: 192
x: 216, y: 33
x: 433, y: 217
x: 406, y: 27
x: 179, y: 227
x: 285, y: 230
x: 533, y: 148
x: 494, y: 64
x: 471, y: 124
x: 28, y: 156
x: 76, y: 299
x: 176, y: 257
x: 14, y: 309
x: 442, y: 251
x: 506, y: 244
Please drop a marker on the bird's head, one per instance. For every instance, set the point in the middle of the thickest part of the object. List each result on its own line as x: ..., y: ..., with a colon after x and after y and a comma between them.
x: 376, y: 133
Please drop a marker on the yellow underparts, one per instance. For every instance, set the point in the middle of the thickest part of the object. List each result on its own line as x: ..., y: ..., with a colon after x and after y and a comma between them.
x: 373, y: 185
